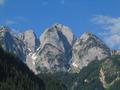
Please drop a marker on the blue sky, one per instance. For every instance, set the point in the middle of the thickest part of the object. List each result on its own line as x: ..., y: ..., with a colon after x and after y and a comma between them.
x: 98, y: 16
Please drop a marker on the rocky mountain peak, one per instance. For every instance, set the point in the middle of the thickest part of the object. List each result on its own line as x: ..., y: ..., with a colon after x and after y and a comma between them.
x: 87, y: 49
x: 55, y: 50
x: 86, y: 36
x: 91, y: 39
x: 55, y: 32
x: 66, y: 31
x: 59, y: 36
x: 11, y: 44
x: 4, y: 28
x: 29, y: 32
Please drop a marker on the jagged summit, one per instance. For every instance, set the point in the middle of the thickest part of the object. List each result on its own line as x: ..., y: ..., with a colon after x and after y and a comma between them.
x: 4, y: 29
x: 57, y: 50
x: 86, y: 35
x: 54, y: 32
x: 87, y: 49
x: 30, y: 31
x: 59, y: 36
x: 91, y: 38
x: 11, y: 43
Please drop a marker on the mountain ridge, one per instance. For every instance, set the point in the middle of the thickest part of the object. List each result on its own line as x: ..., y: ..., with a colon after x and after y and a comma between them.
x: 77, y: 63
x: 59, y: 42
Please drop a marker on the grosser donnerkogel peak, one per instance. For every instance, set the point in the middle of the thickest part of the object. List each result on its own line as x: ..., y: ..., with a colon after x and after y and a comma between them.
x: 55, y: 50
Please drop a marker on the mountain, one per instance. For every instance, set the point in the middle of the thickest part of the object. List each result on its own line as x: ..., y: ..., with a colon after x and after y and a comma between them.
x: 13, y: 44
x: 21, y: 44
x: 59, y: 49
x: 63, y: 61
x: 15, y: 75
x: 55, y: 50
x: 97, y: 75
x: 87, y: 49
x: 110, y: 73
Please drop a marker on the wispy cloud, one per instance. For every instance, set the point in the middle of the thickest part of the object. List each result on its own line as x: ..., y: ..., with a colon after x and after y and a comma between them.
x: 10, y: 22
x: 2, y: 2
x: 112, y: 29
x: 14, y: 21
x: 50, y: 2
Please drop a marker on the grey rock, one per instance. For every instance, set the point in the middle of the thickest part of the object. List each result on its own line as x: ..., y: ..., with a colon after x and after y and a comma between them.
x: 30, y: 40
x: 11, y: 43
x: 115, y: 52
x: 55, y: 50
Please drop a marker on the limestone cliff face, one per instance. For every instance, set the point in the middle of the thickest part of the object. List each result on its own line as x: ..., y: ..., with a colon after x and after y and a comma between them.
x: 55, y: 50
x: 60, y: 51
x: 31, y: 41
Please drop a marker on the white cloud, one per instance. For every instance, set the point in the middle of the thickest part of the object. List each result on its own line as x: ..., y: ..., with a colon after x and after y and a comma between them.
x: 10, y: 22
x: 2, y: 2
x: 112, y: 30
x: 114, y: 41
x: 16, y: 20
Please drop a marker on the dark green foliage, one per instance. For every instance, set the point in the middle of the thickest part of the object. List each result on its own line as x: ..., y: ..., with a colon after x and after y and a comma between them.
x: 51, y: 82
x: 115, y: 86
x: 111, y: 67
x: 15, y: 75
x: 76, y: 81
x: 89, y: 77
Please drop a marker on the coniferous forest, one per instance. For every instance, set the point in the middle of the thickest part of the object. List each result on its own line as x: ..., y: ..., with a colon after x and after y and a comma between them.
x: 15, y: 75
